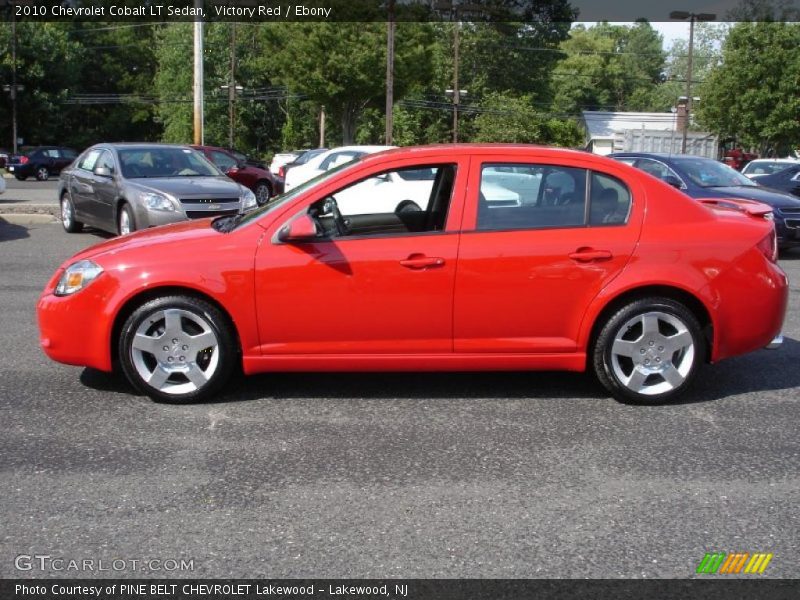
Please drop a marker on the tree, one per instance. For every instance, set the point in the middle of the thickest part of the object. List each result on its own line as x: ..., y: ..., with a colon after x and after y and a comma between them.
x: 609, y: 67
x: 340, y: 65
x: 504, y: 118
x: 752, y: 94
x: 42, y: 113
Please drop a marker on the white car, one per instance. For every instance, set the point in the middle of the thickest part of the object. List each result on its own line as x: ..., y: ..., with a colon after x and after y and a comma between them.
x: 283, y: 158
x: 767, y: 166
x: 2, y: 184
x: 326, y: 161
x: 408, y: 190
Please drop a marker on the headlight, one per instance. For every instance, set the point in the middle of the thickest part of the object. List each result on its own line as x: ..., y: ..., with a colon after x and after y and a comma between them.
x: 248, y: 199
x: 77, y: 276
x: 157, y: 201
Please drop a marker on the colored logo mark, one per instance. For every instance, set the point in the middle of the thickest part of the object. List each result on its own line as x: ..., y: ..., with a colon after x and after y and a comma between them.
x: 734, y: 563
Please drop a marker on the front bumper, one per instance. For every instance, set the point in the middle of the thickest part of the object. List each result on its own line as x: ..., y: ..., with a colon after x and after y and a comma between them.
x: 76, y: 329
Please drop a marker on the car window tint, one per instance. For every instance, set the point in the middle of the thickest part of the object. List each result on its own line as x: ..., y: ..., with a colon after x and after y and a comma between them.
x: 609, y: 201
x: 89, y: 160
x: 403, y: 201
x: 67, y: 153
x: 222, y: 160
x: 106, y: 161
x: 531, y: 197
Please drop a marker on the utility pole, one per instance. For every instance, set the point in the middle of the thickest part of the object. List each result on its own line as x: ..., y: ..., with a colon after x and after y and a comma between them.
x: 390, y: 29
x: 322, y: 127
x: 14, y: 88
x: 682, y: 15
x: 199, y: 135
x: 456, y: 90
x: 232, y: 87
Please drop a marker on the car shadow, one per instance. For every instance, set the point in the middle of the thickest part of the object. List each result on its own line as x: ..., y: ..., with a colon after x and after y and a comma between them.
x: 789, y: 254
x: 11, y: 231
x: 761, y: 371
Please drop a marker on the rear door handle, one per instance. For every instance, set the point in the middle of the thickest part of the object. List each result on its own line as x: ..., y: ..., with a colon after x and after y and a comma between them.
x: 588, y: 255
x: 419, y: 261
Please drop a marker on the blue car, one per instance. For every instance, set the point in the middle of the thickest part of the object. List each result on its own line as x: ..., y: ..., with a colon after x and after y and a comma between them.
x: 700, y: 177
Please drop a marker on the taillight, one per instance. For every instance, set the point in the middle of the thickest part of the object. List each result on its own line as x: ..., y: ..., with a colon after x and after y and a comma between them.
x: 769, y: 245
x: 282, y: 171
x: 23, y: 160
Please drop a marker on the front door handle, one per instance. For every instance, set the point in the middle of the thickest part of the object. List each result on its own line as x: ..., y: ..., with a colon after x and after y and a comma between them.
x: 420, y: 261
x: 589, y: 254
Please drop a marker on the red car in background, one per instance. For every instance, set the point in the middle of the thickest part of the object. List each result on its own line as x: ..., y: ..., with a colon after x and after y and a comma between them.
x: 515, y: 258
x: 262, y: 182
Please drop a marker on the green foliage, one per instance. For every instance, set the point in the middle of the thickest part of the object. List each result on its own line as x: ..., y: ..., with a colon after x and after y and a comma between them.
x: 609, y: 67
x: 752, y: 95
x: 515, y: 120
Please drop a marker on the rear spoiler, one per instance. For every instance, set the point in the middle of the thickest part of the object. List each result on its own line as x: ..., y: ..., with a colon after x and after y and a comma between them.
x: 750, y: 207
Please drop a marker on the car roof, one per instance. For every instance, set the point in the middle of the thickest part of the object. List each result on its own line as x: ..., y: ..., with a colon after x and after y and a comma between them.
x: 137, y: 145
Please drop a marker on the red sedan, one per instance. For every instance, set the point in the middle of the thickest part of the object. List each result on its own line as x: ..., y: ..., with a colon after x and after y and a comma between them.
x: 495, y: 258
x: 262, y: 182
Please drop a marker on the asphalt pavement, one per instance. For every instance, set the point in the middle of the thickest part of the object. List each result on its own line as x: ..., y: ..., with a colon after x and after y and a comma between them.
x: 509, y: 475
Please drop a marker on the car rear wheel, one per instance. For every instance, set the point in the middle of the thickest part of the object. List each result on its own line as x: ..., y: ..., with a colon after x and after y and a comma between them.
x: 263, y: 193
x: 125, y: 221
x: 68, y: 215
x: 177, y: 349
x: 42, y: 174
x: 649, y: 351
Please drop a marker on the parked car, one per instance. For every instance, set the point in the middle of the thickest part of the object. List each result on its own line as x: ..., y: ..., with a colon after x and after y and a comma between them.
x: 606, y: 269
x: 261, y: 182
x: 4, y: 156
x: 705, y: 178
x: 40, y: 162
x: 124, y: 187
x: 2, y: 184
x: 326, y: 161
x: 300, y: 160
x: 766, y: 166
x: 786, y: 180
x: 282, y: 158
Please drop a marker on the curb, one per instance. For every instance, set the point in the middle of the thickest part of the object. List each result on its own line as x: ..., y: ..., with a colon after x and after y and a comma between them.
x: 50, y: 211
x: 27, y: 218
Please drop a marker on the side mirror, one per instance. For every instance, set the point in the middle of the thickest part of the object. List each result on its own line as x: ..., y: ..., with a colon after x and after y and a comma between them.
x: 103, y: 172
x: 672, y: 180
x: 302, y: 229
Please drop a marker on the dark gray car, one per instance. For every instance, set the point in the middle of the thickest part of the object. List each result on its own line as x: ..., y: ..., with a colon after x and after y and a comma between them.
x: 124, y: 187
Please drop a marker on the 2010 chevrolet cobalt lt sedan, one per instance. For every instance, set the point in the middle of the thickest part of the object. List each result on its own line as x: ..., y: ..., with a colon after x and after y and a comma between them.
x: 593, y: 265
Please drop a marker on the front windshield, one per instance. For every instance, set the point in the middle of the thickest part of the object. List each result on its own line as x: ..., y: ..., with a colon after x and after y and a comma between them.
x: 710, y: 173
x: 139, y: 163
x: 291, y: 195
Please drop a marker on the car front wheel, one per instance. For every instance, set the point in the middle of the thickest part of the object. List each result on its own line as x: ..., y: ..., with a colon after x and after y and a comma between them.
x: 649, y: 351
x: 68, y: 215
x: 125, y: 221
x: 177, y: 349
x: 263, y: 193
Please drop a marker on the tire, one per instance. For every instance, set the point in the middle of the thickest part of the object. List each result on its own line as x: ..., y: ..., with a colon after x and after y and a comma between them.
x: 21, y: 177
x: 42, y: 174
x: 263, y: 192
x: 200, y: 356
x: 68, y: 215
x: 126, y: 224
x: 649, y: 351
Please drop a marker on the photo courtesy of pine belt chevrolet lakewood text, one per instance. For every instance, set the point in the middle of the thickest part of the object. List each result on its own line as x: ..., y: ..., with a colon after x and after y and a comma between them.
x: 437, y: 258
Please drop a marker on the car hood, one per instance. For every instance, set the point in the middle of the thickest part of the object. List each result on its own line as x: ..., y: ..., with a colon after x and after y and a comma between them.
x: 177, y: 233
x: 189, y: 187
x: 774, y: 198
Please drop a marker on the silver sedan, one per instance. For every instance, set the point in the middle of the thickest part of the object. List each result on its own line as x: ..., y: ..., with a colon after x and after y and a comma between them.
x: 124, y: 187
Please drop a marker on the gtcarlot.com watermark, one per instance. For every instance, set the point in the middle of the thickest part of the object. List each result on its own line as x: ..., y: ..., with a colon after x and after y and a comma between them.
x: 58, y: 564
